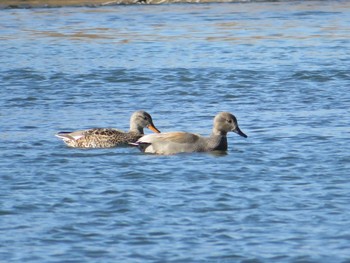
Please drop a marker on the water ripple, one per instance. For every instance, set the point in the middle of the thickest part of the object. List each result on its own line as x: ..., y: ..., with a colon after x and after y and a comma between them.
x: 281, y: 195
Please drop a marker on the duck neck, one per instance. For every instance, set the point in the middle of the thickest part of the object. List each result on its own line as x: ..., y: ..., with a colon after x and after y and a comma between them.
x: 135, y: 128
x: 218, y: 140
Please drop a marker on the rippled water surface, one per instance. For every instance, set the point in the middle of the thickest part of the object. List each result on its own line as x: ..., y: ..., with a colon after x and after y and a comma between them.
x: 281, y: 195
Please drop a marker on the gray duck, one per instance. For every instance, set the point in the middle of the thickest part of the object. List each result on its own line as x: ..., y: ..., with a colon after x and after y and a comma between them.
x: 181, y: 142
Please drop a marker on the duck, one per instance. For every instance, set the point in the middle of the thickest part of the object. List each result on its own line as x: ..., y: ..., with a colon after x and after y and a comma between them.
x: 110, y: 137
x: 169, y: 143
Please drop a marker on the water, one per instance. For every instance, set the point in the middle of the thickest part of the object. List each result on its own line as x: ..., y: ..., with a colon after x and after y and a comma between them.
x: 281, y: 195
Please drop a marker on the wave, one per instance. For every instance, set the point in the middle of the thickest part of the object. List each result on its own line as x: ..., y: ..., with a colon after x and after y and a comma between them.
x: 24, y: 4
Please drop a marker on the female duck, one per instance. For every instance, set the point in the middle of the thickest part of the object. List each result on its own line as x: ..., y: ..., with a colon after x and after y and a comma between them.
x: 109, y: 137
x: 180, y: 142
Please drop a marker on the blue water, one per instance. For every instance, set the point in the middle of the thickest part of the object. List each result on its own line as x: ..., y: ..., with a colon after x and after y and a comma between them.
x: 281, y: 195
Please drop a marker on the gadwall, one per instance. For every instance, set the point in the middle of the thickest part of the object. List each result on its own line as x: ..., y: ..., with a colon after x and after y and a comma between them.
x: 109, y: 137
x: 180, y: 142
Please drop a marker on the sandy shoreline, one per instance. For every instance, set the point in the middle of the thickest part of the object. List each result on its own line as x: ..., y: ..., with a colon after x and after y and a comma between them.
x: 92, y: 3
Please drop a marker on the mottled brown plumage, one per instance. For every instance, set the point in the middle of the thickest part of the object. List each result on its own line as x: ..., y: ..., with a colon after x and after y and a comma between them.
x: 109, y: 137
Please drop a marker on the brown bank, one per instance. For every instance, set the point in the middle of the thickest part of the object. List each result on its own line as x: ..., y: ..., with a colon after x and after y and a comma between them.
x: 92, y: 3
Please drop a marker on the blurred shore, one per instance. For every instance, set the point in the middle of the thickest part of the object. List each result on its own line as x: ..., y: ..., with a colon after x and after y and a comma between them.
x: 92, y: 3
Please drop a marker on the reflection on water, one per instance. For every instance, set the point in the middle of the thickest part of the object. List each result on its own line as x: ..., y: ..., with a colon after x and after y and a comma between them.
x: 280, y: 67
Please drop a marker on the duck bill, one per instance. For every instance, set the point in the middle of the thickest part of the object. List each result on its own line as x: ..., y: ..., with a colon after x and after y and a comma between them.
x: 153, y: 128
x: 239, y: 132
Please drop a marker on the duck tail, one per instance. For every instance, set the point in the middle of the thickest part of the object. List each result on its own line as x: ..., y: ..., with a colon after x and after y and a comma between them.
x: 140, y: 145
x: 64, y: 136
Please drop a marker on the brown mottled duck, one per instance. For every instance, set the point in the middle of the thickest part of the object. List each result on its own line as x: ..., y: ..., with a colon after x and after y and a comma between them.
x: 109, y: 137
